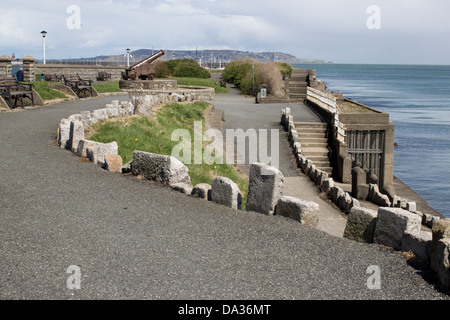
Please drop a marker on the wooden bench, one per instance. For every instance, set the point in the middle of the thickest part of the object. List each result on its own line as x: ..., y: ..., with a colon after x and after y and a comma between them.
x: 12, y: 91
x: 78, y: 85
x: 52, y: 77
x: 103, y: 76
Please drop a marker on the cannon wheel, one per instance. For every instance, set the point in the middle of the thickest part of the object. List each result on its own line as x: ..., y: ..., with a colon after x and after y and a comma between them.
x: 133, y: 77
x: 151, y: 76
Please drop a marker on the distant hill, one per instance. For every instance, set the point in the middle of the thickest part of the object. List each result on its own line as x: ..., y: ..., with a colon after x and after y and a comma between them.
x: 217, y: 56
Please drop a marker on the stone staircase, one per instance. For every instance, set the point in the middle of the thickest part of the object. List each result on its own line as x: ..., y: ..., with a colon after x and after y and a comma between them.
x: 314, y: 143
x: 298, y: 83
x: 214, y: 118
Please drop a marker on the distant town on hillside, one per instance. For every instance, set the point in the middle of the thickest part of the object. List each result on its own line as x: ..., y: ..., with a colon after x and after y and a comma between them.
x: 204, y: 57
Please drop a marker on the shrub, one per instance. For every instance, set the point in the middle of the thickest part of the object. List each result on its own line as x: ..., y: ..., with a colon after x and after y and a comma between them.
x: 240, y: 73
x: 235, y: 71
x: 285, y: 68
x: 186, y: 68
x: 161, y: 69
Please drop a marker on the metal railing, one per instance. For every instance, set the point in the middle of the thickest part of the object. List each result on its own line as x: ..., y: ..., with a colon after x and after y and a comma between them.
x: 328, y: 102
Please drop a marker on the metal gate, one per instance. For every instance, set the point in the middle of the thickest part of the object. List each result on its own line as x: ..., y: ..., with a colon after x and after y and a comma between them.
x: 366, y: 147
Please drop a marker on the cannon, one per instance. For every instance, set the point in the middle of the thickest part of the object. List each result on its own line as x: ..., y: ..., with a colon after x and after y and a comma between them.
x: 143, y: 70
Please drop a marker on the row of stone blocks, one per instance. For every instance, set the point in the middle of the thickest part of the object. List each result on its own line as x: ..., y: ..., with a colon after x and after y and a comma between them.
x: 321, y: 178
x: 265, y: 193
x: 316, y: 175
x: 401, y: 230
x: 370, y: 192
x: 71, y: 132
x: 360, y: 189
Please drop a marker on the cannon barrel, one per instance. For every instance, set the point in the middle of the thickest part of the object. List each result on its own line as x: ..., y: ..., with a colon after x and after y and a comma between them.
x: 148, y: 60
x: 143, y: 69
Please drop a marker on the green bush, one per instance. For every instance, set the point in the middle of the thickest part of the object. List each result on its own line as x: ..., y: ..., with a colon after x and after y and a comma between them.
x: 285, y: 68
x: 235, y: 71
x: 243, y: 76
x: 186, y: 68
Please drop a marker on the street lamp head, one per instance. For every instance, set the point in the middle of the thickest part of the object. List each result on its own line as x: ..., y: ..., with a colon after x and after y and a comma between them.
x: 44, y: 33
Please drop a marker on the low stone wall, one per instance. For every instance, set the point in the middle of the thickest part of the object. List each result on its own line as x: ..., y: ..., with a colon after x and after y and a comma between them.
x: 148, y: 84
x: 85, y: 72
x: 71, y: 131
x: 146, y: 100
x: 397, y: 223
x: 360, y: 190
x: 401, y: 230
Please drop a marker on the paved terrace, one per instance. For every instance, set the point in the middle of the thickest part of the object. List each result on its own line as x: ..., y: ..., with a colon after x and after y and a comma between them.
x: 134, y: 240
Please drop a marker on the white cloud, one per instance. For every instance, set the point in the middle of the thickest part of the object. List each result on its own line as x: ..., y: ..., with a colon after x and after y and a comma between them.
x: 311, y: 29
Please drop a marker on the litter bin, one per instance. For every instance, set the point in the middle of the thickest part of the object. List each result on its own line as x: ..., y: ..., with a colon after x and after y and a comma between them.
x: 263, y: 91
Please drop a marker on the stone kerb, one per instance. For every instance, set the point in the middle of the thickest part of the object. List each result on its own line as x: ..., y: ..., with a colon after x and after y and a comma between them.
x: 370, y: 192
x: 361, y: 224
x: 392, y: 224
x: 265, y: 188
x: 226, y: 192
x: 305, y: 212
x: 167, y: 170
x: 202, y: 191
x: 97, y: 151
x: 440, y: 251
x: 360, y: 189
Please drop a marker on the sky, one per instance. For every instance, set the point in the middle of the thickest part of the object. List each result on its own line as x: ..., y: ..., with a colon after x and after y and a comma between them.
x: 347, y: 31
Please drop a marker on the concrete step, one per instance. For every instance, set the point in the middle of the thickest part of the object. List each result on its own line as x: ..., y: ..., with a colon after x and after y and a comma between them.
x: 297, y: 100
x: 301, y: 129
x: 297, y: 91
x: 329, y: 170
x: 311, y: 125
x: 313, y: 140
x: 314, y: 145
x: 298, y: 88
x: 298, y: 84
x: 298, y: 75
x: 310, y: 134
x: 322, y: 154
x: 297, y: 95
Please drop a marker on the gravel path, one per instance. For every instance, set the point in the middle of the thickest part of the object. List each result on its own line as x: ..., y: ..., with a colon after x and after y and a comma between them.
x: 133, y: 240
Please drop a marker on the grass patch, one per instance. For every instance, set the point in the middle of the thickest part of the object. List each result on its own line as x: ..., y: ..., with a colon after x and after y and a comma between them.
x: 201, y: 83
x: 106, y: 87
x: 153, y: 134
x: 45, y: 92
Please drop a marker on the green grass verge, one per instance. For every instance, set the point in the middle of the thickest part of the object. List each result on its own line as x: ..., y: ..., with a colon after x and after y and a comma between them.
x: 200, y: 82
x: 153, y: 134
x: 106, y: 87
x: 45, y: 92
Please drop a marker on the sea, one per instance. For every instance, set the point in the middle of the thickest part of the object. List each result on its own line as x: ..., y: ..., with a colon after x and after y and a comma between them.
x: 417, y: 98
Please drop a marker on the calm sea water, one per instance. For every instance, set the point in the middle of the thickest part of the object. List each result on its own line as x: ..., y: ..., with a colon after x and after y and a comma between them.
x: 417, y: 98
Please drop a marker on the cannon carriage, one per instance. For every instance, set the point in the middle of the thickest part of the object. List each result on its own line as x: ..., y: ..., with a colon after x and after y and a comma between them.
x: 143, y: 70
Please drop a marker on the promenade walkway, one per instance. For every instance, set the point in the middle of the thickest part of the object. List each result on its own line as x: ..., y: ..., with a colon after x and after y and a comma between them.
x: 132, y: 239
x: 242, y: 113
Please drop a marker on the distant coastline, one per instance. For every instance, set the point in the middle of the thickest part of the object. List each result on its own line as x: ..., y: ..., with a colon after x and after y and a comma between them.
x: 206, y: 56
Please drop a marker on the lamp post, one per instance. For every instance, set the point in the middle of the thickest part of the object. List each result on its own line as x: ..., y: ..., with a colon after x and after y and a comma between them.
x: 128, y: 57
x: 44, y: 33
